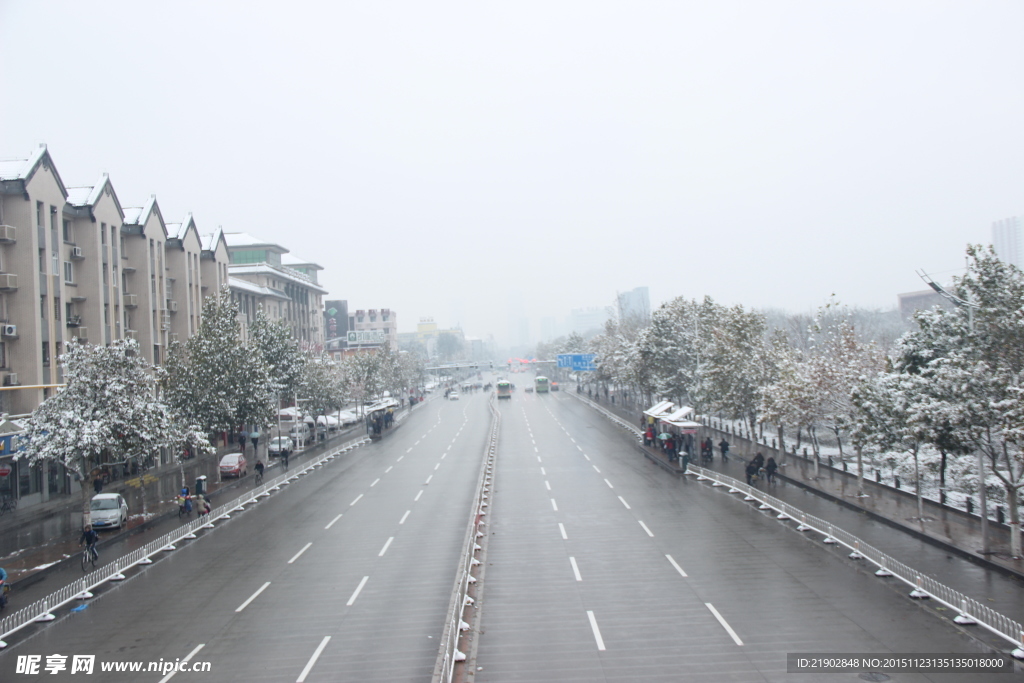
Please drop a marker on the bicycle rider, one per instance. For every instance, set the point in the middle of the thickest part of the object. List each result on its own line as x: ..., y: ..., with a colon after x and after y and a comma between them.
x: 259, y: 468
x: 89, y: 538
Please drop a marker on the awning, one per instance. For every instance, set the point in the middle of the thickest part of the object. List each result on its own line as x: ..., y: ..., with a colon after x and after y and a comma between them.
x: 679, y: 414
x: 684, y: 424
x: 659, y: 409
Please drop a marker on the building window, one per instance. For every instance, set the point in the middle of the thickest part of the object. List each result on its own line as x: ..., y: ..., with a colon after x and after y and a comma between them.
x: 46, y: 353
x: 69, y: 273
x: 3, y: 354
x: 68, y: 235
x: 40, y: 216
x: 103, y: 234
x: 56, y: 310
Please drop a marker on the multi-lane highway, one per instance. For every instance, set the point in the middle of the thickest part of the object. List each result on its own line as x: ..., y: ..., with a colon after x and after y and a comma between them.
x: 599, y: 567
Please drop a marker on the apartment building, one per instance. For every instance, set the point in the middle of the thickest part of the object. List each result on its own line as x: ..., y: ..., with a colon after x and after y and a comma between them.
x: 263, y: 274
x: 184, y: 302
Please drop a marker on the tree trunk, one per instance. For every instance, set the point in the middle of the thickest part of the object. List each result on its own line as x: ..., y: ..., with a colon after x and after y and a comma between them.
x: 782, y: 446
x: 917, y: 482
x: 1011, y: 501
x: 839, y: 441
x: 813, y: 436
x: 860, y: 472
x: 87, y: 484
x: 942, y: 475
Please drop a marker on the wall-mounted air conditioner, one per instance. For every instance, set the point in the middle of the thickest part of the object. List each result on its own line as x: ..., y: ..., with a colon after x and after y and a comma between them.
x: 9, y: 330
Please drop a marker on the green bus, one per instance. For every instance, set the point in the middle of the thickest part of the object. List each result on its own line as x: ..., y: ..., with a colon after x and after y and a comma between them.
x: 504, y: 389
x: 541, y: 384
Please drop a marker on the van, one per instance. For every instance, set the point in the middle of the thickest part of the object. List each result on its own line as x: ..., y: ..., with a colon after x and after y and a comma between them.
x: 301, y: 432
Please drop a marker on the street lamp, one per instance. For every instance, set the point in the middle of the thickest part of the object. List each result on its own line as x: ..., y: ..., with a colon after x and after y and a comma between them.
x: 982, y: 496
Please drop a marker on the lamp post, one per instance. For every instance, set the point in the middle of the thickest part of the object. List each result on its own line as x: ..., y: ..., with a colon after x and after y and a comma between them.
x: 982, y: 496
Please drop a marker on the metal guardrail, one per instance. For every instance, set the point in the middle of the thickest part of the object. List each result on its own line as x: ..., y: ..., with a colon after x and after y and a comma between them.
x: 42, y: 610
x: 448, y: 653
x: 969, y: 611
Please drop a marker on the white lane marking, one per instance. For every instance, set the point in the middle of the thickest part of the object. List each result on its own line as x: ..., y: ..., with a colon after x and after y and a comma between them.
x: 597, y: 631
x: 390, y: 467
x: 304, y: 549
x: 595, y: 469
x: 402, y: 520
x: 332, y: 522
x: 548, y: 484
x: 572, y: 439
x: 252, y: 597
x: 189, y: 656
x: 416, y: 444
x: 312, y: 660
x: 356, y: 594
x: 408, y: 449
x: 625, y: 503
x: 418, y: 496
x: 554, y: 505
x: 428, y: 479
x: 561, y: 528
x: 575, y: 569
x: 436, y: 466
x: 609, y: 484
x: 385, y: 548
x: 538, y: 459
x: 444, y: 454
x: 400, y: 458
x: 536, y: 449
x: 586, y: 456
x: 356, y: 500
x: 678, y: 568
x: 724, y: 624
x: 543, y: 472
x: 579, y: 448
x: 649, y: 532
x: 374, y: 482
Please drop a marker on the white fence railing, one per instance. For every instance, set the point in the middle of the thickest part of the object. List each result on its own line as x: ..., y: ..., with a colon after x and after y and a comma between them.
x: 43, y: 610
x: 968, y: 610
x: 448, y: 653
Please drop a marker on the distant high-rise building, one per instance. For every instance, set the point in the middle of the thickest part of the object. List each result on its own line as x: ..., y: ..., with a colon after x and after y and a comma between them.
x: 635, y: 304
x: 1008, y: 238
x: 588, y: 320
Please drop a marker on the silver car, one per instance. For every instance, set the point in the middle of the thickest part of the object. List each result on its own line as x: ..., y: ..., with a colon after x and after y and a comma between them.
x: 108, y: 510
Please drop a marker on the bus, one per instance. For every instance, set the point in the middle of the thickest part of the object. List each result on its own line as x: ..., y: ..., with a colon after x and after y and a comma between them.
x: 504, y: 389
x: 541, y: 384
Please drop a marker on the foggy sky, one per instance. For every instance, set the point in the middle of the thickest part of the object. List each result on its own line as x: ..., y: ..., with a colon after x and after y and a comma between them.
x: 445, y: 159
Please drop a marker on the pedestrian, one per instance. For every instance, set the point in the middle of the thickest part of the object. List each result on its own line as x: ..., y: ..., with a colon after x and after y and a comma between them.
x: 686, y: 460
x: 254, y: 436
x: 770, y: 467
x: 97, y: 483
x: 752, y: 470
x: 759, y: 460
x: 723, y: 445
x: 242, y: 436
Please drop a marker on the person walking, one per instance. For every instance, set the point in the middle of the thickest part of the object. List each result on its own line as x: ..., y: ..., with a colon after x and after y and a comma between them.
x: 752, y: 469
x: 254, y: 436
x: 723, y: 446
x: 770, y: 468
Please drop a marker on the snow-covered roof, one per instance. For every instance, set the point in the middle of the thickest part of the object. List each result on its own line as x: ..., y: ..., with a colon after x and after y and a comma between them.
x: 21, y: 169
x: 252, y: 288
x: 244, y: 239
x: 292, y: 260
x: 88, y: 195
x: 132, y: 214
x: 177, y: 231
x: 209, y: 240
x: 659, y: 409
x: 679, y: 414
x: 283, y: 271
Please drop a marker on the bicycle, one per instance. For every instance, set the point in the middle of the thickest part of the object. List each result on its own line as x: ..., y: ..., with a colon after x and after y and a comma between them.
x: 258, y: 479
x: 89, y: 555
x: 9, y: 504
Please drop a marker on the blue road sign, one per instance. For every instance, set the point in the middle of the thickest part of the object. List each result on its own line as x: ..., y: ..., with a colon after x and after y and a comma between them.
x: 580, y: 362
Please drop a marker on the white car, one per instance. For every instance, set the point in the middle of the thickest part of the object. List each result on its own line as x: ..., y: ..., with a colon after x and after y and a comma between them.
x: 108, y: 510
x: 280, y: 445
x: 454, y: 396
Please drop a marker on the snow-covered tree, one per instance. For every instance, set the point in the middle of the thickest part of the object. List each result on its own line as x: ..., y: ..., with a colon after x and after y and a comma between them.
x: 273, y: 340
x: 107, y: 413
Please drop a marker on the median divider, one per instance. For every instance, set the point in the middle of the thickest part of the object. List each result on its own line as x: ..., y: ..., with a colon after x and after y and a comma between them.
x: 453, y: 646
x: 42, y: 610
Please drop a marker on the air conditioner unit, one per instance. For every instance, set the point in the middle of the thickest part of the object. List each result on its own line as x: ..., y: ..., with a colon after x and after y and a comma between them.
x: 11, y: 379
x: 76, y: 253
x: 8, y: 233
x: 81, y: 333
x: 131, y: 300
x: 172, y: 305
x: 172, y: 337
x: 8, y: 281
x: 9, y: 330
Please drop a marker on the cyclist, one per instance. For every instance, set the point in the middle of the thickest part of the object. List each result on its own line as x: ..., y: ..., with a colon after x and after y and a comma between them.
x: 284, y: 456
x: 89, y: 538
x: 259, y: 468
x: 4, y: 587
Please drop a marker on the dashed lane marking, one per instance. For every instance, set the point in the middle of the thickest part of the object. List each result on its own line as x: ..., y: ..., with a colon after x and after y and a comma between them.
x: 252, y: 597
x: 678, y: 568
x: 649, y: 532
x: 561, y: 527
x: 331, y: 523
x: 596, y: 630
x: 575, y: 569
x: 356, y: 593
x: 316, y: 656
x: 356, y: 500
x: 304, y: 549
x: 554, y: 505
x: 625, y: 503
x: 724, y: 623
x: 385, y: 548
x: 402, y: 520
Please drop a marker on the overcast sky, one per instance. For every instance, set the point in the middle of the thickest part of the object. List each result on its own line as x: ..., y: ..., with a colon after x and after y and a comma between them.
x: 445, y: 159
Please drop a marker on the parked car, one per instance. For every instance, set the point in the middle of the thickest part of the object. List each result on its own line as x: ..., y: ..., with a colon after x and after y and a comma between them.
x: 108, y: 510
x: 454, y: 396
x: 233, y: 465
x: 280, y: 445
x: 301, y: 433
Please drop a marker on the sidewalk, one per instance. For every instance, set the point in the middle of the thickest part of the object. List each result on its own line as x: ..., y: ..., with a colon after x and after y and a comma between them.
x: 941, y: 525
